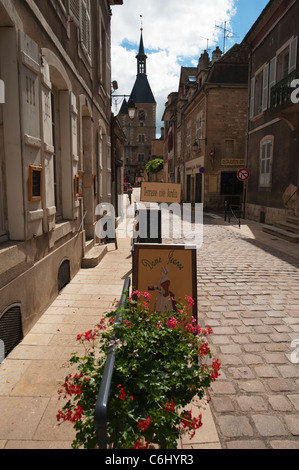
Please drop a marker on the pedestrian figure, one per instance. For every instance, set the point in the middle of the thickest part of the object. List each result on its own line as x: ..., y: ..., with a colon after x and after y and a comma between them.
x: 130, y: 190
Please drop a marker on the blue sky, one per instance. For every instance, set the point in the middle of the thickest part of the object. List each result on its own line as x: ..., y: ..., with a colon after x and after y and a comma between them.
x: 247, y: 13
x: 175, y: 34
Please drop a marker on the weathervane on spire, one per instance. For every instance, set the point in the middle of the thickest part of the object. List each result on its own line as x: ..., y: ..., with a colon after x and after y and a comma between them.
x: 141, y: 29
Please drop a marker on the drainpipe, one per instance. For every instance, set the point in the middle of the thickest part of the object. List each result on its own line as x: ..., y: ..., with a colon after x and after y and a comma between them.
x: 247, y: 136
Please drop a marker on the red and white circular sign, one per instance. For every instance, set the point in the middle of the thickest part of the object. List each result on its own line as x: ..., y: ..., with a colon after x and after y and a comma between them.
x: 243, y: 174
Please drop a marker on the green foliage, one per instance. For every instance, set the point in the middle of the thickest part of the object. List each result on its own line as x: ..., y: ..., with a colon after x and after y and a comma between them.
x: 154, y: 166
x: 163, y: 362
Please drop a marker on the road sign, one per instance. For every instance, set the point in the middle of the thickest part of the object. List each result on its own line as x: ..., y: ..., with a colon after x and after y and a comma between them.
x: 202, y: 170
x: 243, y: 174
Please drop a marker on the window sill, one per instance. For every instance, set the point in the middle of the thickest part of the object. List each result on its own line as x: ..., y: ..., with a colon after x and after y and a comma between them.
x: 257, y: 117
x: 265, y: 188
x: 3, y: 237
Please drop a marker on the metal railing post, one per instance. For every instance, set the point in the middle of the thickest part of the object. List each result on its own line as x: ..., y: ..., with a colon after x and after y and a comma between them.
x: 101, y: 409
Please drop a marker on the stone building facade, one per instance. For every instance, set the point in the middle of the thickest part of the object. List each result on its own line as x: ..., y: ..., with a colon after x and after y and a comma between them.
x: 141, y: 130
x: 206, y: 138
x: 55, y: 148
x: 273, y: 127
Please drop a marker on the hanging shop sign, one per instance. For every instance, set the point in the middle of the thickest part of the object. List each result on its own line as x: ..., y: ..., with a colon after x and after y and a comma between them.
x: 232, y: 162
x: 161, y: 192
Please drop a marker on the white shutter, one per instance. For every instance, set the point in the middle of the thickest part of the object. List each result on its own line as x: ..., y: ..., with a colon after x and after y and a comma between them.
x: 293, y: 55
x: 86, y: 25
x: 272, y: 76
x: 74, y: 6
x: 252, y: 92
x: 265, y: 88
x: 74, y: 128
x: 265, y: 168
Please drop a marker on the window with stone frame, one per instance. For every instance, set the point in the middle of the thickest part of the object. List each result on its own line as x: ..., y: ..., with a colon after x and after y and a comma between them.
x: 266, y: 157
x: 188, y: 140
x: 259, y: 93
x: 80, y: 11
x: 86, y: 26
x: 179, y: 145
x: 199, y: 132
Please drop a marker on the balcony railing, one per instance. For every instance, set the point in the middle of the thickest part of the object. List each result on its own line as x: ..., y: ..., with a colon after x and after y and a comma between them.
x: 281, y: 92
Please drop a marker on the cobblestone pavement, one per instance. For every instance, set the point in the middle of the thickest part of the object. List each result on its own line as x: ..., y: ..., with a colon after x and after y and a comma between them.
x: 249, y: 294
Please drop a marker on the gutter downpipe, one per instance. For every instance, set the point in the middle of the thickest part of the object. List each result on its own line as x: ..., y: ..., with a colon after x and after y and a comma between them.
x: 247, y: 136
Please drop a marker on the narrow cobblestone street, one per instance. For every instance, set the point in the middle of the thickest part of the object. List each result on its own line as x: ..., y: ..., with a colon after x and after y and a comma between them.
x: 249, y: 293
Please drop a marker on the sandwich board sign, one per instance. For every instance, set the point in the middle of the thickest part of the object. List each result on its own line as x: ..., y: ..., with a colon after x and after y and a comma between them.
x: 168, y: 273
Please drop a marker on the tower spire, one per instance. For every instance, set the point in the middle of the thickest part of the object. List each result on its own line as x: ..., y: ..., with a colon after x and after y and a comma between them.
x: 141, y: 56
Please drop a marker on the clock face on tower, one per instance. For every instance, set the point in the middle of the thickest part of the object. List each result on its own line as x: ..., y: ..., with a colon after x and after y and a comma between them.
x: 141, y: 115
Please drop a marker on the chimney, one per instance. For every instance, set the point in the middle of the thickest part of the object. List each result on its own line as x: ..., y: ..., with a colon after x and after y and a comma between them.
x: 204, y: 62
x: 216, y: 55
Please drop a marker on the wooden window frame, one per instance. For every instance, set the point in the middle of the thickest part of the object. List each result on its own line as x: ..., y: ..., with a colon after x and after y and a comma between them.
x: 33, y: 169
x: 267, y: 160
x: 78, y: 185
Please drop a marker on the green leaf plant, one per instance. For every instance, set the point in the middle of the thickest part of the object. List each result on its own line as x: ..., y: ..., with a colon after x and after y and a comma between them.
x: 154, y: 166
x: 163, y: 364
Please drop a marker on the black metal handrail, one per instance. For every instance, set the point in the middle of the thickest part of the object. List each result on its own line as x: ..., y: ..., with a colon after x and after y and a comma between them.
x: 233, y: 211
x: 281, y: 92
x: 101, y: 409
x: 297, y: 191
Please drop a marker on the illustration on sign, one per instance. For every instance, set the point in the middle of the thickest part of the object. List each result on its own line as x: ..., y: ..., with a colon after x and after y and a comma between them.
x: 166, y: 299
x: 168, y: 273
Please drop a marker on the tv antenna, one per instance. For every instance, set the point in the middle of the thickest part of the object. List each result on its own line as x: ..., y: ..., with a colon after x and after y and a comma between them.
x: 227, y: 34
x: 208, y: 40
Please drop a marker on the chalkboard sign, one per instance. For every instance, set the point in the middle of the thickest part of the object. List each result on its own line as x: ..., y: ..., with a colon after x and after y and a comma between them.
x: 35, y: 183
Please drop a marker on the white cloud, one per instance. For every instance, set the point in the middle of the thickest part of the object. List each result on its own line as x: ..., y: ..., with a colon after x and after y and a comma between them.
x: 175, y: 34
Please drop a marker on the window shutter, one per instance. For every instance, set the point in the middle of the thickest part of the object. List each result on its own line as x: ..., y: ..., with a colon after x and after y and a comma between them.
x: 252, y: 92
x: 74, y: 6
x: 265, y: 88
x: 293, y: 55
x: 272, y: 76
x: 265, y: 168
x: 85, y: 25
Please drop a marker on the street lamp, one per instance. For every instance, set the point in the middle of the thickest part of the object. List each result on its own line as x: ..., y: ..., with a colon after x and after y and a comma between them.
x: 130, y: 105
x: 131, y: 109
x: 196, y: 145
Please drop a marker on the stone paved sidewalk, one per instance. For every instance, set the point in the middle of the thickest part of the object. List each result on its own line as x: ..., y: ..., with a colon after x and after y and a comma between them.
x: 248, y: 291
x: 32, y: 374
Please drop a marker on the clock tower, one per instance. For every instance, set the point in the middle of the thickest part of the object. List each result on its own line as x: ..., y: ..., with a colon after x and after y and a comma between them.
x: 140, y: 131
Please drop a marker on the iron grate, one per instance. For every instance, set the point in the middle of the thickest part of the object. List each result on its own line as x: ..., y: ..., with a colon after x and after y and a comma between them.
x: 11, y: 331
